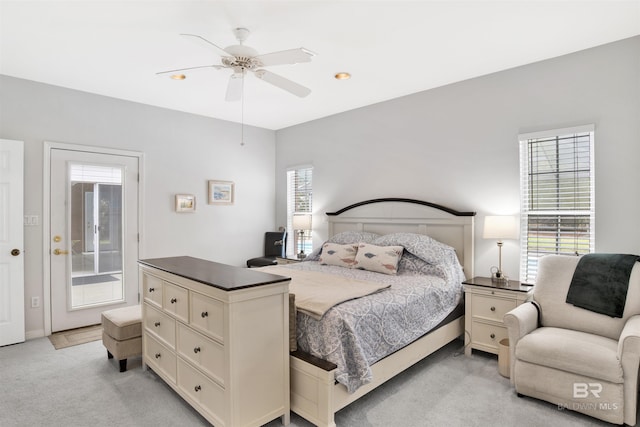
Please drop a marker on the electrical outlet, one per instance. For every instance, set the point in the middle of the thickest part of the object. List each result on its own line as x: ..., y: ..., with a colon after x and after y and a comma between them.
x: 35, y: 302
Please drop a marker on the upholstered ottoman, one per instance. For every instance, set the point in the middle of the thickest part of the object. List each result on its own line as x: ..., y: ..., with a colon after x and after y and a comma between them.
x: 122, y: 333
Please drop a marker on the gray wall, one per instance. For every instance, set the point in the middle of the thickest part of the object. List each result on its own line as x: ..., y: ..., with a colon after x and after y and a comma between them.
x: 182, y: 151
x: 457, y: 145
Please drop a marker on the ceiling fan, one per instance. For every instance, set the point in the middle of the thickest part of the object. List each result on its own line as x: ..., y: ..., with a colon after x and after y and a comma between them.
x: 240, y: 59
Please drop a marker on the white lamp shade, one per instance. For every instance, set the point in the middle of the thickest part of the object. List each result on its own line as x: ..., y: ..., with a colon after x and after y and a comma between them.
x: 500, y: 227
x: 301, y: 221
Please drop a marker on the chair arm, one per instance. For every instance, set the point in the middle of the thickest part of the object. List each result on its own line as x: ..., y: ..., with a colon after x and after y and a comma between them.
x: 629, y: 341
x: 520, y: 321
x: 629, y: 355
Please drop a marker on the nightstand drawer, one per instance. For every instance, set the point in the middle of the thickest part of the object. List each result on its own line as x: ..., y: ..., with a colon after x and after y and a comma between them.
x: 488, y: 335
x: 491, y: 308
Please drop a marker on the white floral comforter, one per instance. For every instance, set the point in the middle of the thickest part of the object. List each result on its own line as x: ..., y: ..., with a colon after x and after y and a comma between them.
x: 357, y: 333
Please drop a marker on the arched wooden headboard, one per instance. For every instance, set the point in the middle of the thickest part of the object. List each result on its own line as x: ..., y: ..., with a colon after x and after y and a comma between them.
x: 393, y: 215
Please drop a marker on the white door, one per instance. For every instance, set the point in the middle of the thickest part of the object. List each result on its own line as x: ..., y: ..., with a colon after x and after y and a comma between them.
x: 11, y: 242
x: 94, y: 235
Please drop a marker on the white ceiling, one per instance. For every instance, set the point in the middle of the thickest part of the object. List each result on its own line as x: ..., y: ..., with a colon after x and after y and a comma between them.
x: 392, y: 48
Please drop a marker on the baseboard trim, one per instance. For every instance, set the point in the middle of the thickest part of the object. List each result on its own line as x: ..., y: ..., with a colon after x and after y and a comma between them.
x: 30, y: 335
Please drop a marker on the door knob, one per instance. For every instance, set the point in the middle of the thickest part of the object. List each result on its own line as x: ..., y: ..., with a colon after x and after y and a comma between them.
x: 57, y: 251
x: 15, y: 252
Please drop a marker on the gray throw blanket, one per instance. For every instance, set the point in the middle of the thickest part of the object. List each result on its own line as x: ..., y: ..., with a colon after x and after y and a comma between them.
x: 600, y: 283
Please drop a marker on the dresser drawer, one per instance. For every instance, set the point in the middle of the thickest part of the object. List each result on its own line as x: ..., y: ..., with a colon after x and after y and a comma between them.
x: 491, y: 308
x: 176, y: 301
x: 207, y: 315
x: 203, y: 352
x: 161, y: 325
x: 152, y: 289
x: 159, y: 357
x: 206, y: 393
x: 488, y: 335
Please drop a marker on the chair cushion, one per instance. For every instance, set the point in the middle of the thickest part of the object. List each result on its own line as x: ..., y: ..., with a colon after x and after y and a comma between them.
x: 572, y: 351
x: 123, y: 323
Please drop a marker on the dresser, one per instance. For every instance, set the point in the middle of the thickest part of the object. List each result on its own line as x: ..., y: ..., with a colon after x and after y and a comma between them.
x: 218, y: 335
x: 486, y: 302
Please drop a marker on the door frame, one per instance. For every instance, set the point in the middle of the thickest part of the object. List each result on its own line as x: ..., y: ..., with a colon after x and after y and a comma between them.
x: 46, y: 211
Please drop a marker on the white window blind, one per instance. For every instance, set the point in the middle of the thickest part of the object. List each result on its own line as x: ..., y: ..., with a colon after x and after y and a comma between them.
x: 557, y: 195
x: 299, y: 200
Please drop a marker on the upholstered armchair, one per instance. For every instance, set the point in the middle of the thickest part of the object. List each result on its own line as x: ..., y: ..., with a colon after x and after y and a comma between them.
x: 573, y: 357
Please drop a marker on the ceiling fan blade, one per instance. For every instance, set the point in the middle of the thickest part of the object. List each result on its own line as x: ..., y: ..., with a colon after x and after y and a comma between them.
x: 292, y: 56
x: 234, y: 88
x: 283, y: 83
x: 190, y: 68
x: 219, y: 50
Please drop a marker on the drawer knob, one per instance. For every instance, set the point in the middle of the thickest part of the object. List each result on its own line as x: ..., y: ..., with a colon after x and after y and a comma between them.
x: 196, y: 350
x: 152, y: 289
x: 493, y: 309
x: 173, y: 300
x: 204, y: 314
x: 492, y: 336
x: 197, y: 388
x: 156, y: 324
x: 158, y: 355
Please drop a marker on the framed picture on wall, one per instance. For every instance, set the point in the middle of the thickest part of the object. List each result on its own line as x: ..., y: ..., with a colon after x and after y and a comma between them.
x: 221, y: 192
x: 185, y: 203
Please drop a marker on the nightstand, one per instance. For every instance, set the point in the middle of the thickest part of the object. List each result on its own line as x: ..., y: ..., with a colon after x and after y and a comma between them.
x: 287, y: 260
x: 486, y: 302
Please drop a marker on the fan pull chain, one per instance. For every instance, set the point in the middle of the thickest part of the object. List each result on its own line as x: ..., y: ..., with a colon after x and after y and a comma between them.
x: 242, y: 112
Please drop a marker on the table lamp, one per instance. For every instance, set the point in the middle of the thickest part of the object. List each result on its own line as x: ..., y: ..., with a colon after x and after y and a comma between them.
x: 301, y: 222
x: 500, y: 227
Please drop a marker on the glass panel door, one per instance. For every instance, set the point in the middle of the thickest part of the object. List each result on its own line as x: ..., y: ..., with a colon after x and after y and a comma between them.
x: 96, y: 234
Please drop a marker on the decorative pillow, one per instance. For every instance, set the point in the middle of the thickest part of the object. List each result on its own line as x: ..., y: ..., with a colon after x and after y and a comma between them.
x: 344, y: 238
x: 381, y: 259
x: 340, y: 255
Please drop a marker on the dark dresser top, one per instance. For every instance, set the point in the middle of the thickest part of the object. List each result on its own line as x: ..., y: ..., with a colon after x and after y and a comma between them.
x: 221, y: 276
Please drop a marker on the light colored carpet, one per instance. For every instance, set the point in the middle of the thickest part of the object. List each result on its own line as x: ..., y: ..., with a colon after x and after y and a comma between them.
x: 79, y: 386
x: 77, y: 336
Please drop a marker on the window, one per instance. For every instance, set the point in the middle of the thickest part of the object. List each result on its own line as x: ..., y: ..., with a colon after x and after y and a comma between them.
x: 299, y: 200
x: 556, y: 195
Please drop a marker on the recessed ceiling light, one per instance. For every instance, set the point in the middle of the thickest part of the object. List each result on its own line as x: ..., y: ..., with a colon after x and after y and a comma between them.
x: 342, y: 76
x: 178, y: 77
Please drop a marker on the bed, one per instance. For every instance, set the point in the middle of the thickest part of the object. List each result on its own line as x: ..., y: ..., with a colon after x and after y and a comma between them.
x: 339, y: 373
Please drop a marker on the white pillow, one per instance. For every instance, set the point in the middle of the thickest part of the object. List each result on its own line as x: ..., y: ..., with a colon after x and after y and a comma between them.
x: 340, y: 255
x: 381, y: 259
